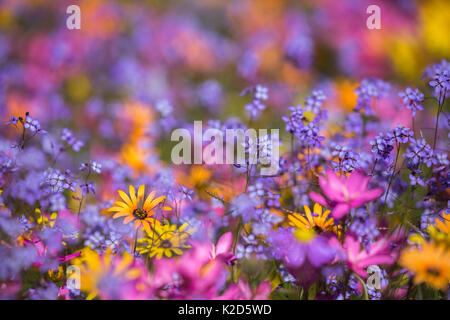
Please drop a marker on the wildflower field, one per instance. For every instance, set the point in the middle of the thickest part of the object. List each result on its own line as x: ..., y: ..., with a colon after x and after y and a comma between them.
x: 100, y: 199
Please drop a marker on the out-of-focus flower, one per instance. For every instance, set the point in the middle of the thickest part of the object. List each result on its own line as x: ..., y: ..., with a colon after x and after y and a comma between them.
x: 344, y: 193
x: 135, y: 209
x: 192, y: 275
x: 165, y: 240
x: 186, y: 193
x: 222, y: 249
x: 317, y: 221
x: 412, y: 99
x: 359, y: 259
x: 111, y: 277
x: 68, y: 137
x: 243, y: 291
x: 420, y: 152
x: 430, y: 264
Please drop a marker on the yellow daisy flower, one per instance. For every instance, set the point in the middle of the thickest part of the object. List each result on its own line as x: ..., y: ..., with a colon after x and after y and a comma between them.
x: 443, y: 225
x: 135, y: 209
x: 165, y: 240
x: 439, y: 232
x: 430, y: 264
x: 317, y: 221
x: 95, y: 269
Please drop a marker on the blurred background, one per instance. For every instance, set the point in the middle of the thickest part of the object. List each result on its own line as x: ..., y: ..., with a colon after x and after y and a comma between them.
x: 149, y: 66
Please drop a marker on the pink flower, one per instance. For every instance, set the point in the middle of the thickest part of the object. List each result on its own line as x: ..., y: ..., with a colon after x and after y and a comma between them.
x: 358, y: 260
x: 192, y: 275
x: 220, y: 251
x: 344, y: 193
x: 242, y: 291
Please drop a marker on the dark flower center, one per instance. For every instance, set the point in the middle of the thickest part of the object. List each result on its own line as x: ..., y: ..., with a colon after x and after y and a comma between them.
x: 165, y: 244
x: 140, y: 214
x: 317, y: 229
x: 433, y: 271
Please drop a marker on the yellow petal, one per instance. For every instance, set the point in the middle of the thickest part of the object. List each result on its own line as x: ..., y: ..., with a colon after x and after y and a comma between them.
x: 133, y: 194
x: 120, y: 214
x: 128, y: 219
x: 317, y: 209
x: 308, y: 214
x: 155, y: 202
x: 149, y: 200
x: 141, y: 192
x: 117, y: 209
x: 125, y: 198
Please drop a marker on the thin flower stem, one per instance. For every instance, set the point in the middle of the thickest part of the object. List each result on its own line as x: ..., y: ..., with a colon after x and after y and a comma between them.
x: 135, y: 243
x: 374, y: 165
x: 440, y: 104
x: 365, y: 295
x: 294, y: 176
x: 393, y: 174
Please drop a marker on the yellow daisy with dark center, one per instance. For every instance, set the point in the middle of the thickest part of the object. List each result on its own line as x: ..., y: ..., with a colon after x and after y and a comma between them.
x: 165, y: 240
x: 317, y: 220
x: 137, y: 208
x: 429, y: 263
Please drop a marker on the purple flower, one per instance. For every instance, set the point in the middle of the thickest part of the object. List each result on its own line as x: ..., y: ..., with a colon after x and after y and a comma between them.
x: 13, y: 120
x: 348, y: 161
x: 87, y: 188
x: 401, y: 134
x: 33, y: 125
x: 417, y: 180
x: 441, y: 84
x: 382, y: 145
x: 370, y: 88
x: 68, y: 137
x: 186, y: 193
x: 314, y: 102
x: 244, y: 206
x: 412, y: 99
x: 420, y: 152
x: 256, y: 106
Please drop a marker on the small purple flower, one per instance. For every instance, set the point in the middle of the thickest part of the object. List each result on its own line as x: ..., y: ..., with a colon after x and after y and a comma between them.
x: 441, y: 84
x: 32, y: 124
x: 417, y: 180
x: 13, y: 120
x: 401, y: 134
x: 412, y: 99
x: 87, y: 188
x: 348, y: 160
x: 186, y: 193
x: 382, y: 145
x: 96, y: 167
x: 314, y: 102
x: 256, y: 106
x: 69, y: 138
x: 420, y: 152
x: 370, y: 88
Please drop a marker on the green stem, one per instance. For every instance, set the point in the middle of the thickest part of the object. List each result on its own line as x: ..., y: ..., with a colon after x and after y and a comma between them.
x: 393, y: 174
x: 365, y: 294
x: 135, y: 243
x: 440, y: 104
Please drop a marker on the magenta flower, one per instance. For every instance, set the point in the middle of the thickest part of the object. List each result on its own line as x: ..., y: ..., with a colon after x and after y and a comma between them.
x: 344, y: 193
x: 359, y: 259
x: 221, y: 250
x: 243, y: 291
